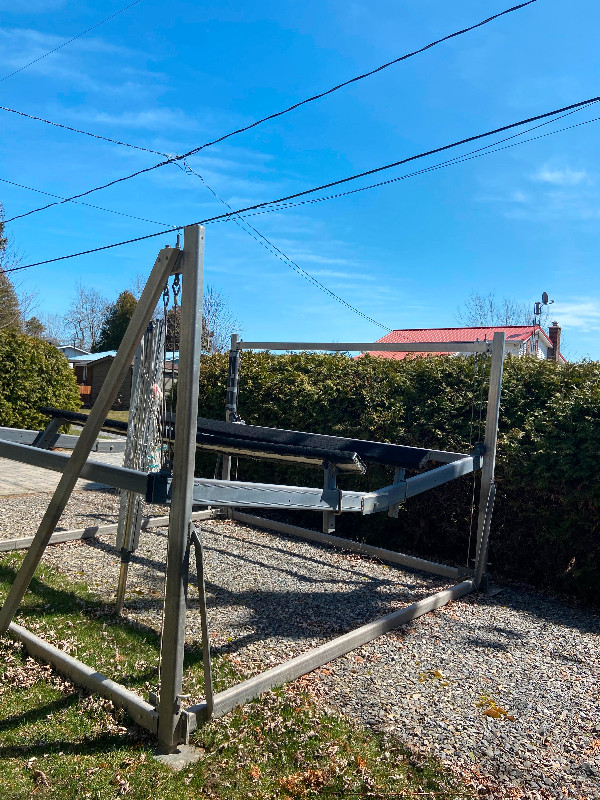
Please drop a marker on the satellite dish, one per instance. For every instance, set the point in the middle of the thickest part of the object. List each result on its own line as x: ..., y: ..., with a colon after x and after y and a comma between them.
x: 545, y: 298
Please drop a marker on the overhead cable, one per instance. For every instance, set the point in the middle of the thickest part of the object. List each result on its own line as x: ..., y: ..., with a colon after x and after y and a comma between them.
x: 64, y: 44
x: 282, y: 200
x: 276, y: 114
x: 85, y: 133
x: 470, y: 156
x: 83, y: 203
x: 262, y: 240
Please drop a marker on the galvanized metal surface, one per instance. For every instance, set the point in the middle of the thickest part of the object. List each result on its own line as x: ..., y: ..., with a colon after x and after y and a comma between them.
x: 317, y: 657
x: 148, y: 523
x: 209, y: 491
x: 47, y: 438
x: 329, y: 482
x: 62, y: 440
x: 196, y: 539
x: 139, y: 710
x: 379, y: 347
x: 489, y: 456
x: 190, y: 348
x: 348, y: 544
x: 109, y: 474
x: 73, y: 469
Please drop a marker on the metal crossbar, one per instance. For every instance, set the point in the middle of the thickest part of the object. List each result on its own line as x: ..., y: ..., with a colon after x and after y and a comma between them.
x: 167, y: 718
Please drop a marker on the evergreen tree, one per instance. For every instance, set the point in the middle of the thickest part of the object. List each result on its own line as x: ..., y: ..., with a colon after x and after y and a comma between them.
x: 115, y: 322
x: 10, y: 316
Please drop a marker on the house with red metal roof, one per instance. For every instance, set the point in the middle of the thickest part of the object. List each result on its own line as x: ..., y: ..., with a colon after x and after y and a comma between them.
x: 532, y: 340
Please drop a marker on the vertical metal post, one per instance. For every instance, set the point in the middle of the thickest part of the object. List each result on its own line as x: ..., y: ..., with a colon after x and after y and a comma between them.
x: 394, y: 509
x: 190, y: 348
x: 489, y: 456
x: 329, y: 482
x: 233, y: 374
x: 142, y: 315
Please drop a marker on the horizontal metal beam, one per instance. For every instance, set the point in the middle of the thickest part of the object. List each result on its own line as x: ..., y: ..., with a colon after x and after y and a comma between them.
x: 148, y: 523
x: 138, y: 709
x: 241, y: 494
x: 264, y: 495
x: 348, y: 544
x: 381, y: 499
x: 66, y: 441
x: 375, y: 347
x: 301, y: 665
x: 107, y: 474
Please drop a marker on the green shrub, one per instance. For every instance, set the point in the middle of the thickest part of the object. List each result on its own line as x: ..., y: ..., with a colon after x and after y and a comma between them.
x: 33, y: 373
x: 546, y: 521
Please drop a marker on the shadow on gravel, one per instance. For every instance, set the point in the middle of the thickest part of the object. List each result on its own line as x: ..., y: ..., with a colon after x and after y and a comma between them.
x: 552, y: 611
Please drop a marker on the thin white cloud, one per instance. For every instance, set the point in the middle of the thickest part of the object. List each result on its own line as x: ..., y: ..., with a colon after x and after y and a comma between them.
x: 109, y: 76
x: 580, y: 312
x: 560, y: 177
x: 318, y: 258
x: 150, y: 118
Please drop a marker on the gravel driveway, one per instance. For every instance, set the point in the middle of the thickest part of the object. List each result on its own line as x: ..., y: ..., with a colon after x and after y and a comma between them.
x: 505, y: 689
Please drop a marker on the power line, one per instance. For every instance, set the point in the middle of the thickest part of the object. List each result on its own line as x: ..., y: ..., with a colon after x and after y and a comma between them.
x: 64, y: 44
x: 195, y: 150
x: 470, y: 156
x: 478, y: 153
x: 85, y: 133
x: 82, y: 203
x: 282, y: 200
x: 262, y: 240
x: 359, y: 77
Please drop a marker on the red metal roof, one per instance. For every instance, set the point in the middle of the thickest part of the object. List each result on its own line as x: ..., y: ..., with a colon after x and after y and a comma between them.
x: 514, y: 333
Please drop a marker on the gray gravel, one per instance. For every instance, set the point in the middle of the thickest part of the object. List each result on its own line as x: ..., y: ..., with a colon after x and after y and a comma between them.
x: 530, y: 662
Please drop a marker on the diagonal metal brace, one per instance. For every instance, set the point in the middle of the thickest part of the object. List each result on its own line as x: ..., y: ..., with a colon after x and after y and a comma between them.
x: 196, y: 540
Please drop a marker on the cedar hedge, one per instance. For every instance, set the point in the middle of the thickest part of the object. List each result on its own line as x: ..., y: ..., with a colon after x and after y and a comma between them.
x: 33, y: 373
x: 546, y: 527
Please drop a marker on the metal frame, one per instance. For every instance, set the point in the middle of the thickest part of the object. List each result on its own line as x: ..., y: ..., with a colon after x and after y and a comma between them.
x: 166, y: 717
x: 166, y: 720
x: 50, y: 438
x: 457, y: 464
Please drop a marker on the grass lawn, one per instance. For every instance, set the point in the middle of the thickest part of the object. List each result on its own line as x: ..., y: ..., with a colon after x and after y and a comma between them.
x: 123, y: 416
x: 58, y: 741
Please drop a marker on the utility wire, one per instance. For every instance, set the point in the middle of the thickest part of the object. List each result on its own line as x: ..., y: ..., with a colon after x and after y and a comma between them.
x: 274, y: 250
x: 282, y: 200
x: 82, y: 203
x: 284, y: 206
x: 85, y: 133
x: 470, y: 156
x: 195, y: 150
x: 64, y: 44
x: 488, y: 149
x: 362, y: 76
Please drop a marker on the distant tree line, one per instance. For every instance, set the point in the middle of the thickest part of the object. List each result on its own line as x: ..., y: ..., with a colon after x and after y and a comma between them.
x: 93, y: 323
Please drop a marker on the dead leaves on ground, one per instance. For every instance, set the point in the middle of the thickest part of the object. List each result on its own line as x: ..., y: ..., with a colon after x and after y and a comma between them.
x: 492, y: 709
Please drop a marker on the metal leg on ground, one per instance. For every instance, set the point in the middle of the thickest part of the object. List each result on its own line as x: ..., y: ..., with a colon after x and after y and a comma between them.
x: 170, y: 727
x: 487, y: 492
x: 208, y: 682
x: 120, y: 596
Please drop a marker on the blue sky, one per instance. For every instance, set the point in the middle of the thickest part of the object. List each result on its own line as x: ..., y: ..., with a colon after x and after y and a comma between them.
x: 170, y: 77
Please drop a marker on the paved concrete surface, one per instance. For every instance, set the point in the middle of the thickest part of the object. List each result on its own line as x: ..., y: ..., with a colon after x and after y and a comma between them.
x: 16, y: 478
